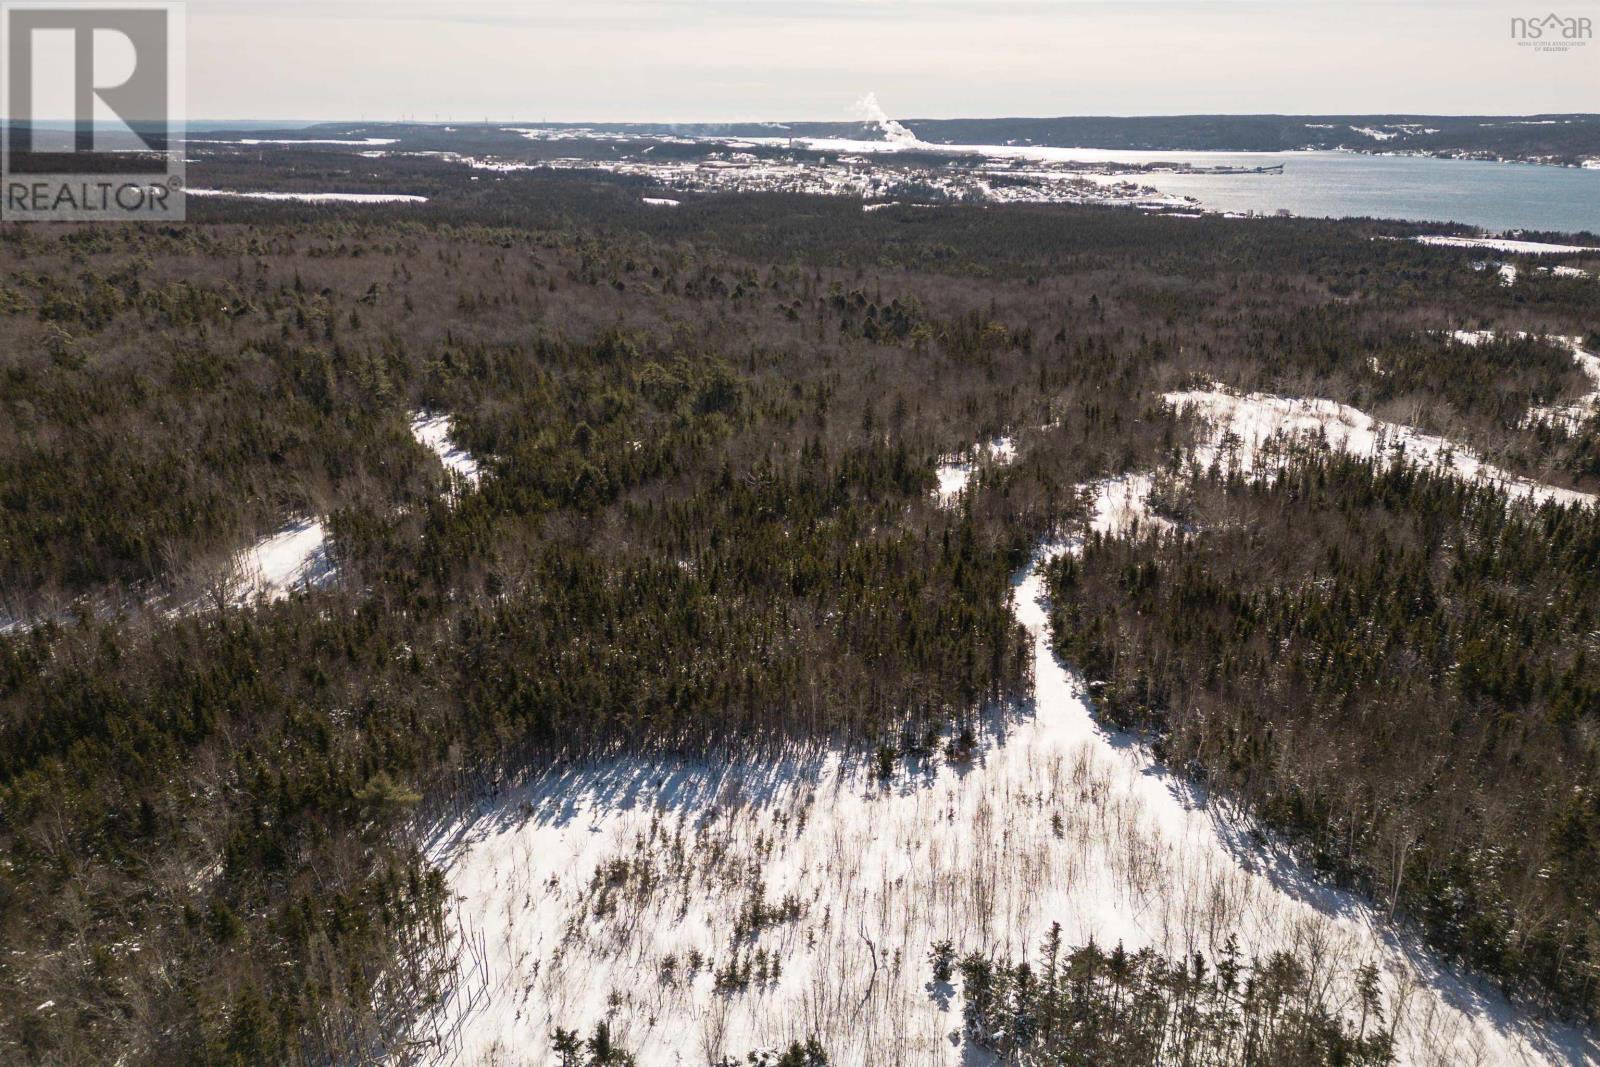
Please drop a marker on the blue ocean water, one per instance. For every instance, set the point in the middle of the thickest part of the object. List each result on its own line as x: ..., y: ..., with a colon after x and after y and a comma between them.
x: 1498, y: 196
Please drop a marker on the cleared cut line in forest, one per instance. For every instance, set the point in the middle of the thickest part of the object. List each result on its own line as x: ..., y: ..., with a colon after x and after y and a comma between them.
x: 711, y: 906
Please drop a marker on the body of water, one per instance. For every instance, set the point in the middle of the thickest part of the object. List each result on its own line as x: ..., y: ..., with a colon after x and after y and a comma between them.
x: 1498, y: 196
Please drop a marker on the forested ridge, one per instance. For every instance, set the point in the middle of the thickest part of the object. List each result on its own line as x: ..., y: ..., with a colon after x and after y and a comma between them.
x: 707, y: 518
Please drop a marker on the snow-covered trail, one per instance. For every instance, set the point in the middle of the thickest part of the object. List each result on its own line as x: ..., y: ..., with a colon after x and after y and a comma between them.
x: 432, y: 431
x: 615, y: 889
x: 290, y: 560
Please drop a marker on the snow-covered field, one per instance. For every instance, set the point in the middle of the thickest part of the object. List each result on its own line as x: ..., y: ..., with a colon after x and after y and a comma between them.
x: 715, y: 906
x: 358, y: 142
x: 1502, y: 244
x: 317, y: 198
x: 1249, y: 430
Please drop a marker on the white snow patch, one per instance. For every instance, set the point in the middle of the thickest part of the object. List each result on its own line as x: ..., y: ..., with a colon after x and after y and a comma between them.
x: 879, y: 207
x: 433, y: 433
x: 292, y: 141
x: 659, y: 201
x: 1508, y: 274
x: 318, y: 198
x: 1502, y: 244
x: 580, y: 884
x: 1250, y: 429
x: 955, y: 472
x: 362, y: 142
x: 293, y: 559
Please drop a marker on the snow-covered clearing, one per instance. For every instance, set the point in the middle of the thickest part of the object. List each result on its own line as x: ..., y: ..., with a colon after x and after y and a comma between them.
x: 318, y: 198
x: 298, y: 140
x: 293, y: 559
x: 432, y: 432
x: 1501, y: 244
x: 1251, y: 429
x: 290, y: 560
x: 955, y: 472
x: 623, y: 889
x: 659, y: 201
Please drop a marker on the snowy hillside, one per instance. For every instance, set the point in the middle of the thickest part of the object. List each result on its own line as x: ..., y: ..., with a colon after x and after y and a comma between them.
x: 709, y: 908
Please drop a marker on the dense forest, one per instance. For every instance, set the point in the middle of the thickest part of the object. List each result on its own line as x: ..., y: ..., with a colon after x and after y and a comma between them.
x: 1396, y: 668
x: 707, y: 519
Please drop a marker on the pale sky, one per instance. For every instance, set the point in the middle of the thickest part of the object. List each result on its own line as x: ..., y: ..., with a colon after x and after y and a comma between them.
x: 712, y: 60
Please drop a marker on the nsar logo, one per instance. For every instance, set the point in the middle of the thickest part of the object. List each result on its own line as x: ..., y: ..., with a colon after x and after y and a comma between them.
x: 1552, y: 33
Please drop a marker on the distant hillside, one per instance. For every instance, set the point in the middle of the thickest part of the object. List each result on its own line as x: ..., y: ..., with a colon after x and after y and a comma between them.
x: 1568, y: 138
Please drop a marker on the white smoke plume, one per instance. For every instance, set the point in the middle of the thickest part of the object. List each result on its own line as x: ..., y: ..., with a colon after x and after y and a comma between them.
x: 871, y: 111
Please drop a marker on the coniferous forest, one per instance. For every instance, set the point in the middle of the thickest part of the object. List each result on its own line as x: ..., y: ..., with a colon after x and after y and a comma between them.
x: 708, y: 520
